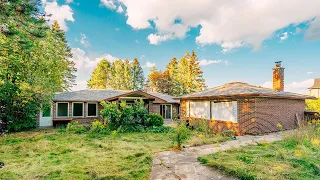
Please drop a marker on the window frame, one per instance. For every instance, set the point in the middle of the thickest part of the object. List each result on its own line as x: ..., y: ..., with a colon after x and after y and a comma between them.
x: 82, y: 109
x: 57, y: 104
x: 88, y: 109
x: 171, y: 109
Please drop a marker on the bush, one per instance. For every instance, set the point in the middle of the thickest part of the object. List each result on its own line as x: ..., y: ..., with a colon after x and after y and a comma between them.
x: 140, y: 113
x: 75, y: 127
x: 154, y: 120
x: 110, y: 114
x: 182, y: 133
x: 98, y: 128
x: 313, y: 105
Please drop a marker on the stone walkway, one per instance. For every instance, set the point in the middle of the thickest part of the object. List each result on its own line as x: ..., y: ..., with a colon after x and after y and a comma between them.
x: 184, y: 165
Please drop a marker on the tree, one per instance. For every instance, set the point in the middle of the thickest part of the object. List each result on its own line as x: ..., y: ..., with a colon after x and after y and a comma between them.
x: 100, y: 76
x: 180, y: 77
x: 120, y: 75
x: 34, y: 63
x: 137, y: 75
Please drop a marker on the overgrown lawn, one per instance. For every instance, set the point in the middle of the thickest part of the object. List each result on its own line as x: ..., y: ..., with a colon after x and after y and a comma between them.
x: 296, y: 157
x: 48, y: 154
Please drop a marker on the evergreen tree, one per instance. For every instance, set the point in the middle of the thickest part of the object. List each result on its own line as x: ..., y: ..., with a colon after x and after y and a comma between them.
x: 34, y: 64
x: 137, y: 75
x: 100, y: 76
x: 197, y: 82
x: 127, y: 76
x: 116, y: 75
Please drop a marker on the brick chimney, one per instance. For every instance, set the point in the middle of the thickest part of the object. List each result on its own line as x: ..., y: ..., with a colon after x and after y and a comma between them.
x: 278, y: 77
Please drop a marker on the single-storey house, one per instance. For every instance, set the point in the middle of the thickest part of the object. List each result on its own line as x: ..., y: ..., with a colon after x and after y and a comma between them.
x: 84, y: 105
x: 245, y: 108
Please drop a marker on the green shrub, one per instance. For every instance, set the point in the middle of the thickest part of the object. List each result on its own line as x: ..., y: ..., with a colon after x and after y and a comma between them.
x: 160, y: 129
x: 182, y: 133
x: 154, y: 120
x: 140, y: 112
x: 110, y: 114
x: 98, y: 128
x: 229, y: 133
x: 126, y: 114
x: 75, y: 127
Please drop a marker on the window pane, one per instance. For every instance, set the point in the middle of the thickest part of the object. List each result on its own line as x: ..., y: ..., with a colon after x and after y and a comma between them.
x: 63, y: 109
x: 92, y: 109
x: 200, y: 109
x: 46, y: 111
x: 77, y: 109
x: 168, y: 111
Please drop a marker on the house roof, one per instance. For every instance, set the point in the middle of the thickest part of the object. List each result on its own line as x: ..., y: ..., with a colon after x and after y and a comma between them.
x: 316, y: 84
x: 240, y: 89
x: 165, y: 97
x: 98, y: 95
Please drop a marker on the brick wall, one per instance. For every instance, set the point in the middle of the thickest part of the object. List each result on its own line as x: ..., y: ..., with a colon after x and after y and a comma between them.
x: 258, y: 115
x: 271, y: 112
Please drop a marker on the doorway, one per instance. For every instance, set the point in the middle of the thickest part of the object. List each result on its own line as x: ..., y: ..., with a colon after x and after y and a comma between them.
x: 166, y: 111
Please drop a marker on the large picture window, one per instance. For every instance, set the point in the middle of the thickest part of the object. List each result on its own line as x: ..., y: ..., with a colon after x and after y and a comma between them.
x: 77, y: 110
x: 225, y: 111
x: 199, y: 109
x: 62, y: 109
x: 92, y: 109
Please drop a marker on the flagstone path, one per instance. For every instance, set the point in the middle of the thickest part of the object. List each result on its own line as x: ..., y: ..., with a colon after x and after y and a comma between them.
x: 171, y: 165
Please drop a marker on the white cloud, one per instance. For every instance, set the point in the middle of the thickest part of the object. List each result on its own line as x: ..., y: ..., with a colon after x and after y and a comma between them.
x: 228, y: 46
x: 284, y: 36
x: 109, y: 4
x: 107, y: 57
x: 120, y: 9
x: 247, y: 21
x: 61, y: 14
x: 296, y: 87
x: 205, y: 62
x: 85, y: 66
x: 84, y: 41
x: 69, y: 1
x: 309, y: 72
x: 149, y: 65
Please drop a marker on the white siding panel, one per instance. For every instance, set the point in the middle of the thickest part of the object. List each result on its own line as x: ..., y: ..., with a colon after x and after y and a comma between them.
x: 225, y: 111
x: 200, y: 109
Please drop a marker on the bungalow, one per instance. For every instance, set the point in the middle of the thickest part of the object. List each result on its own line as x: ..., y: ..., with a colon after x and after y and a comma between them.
x: 245, y: 108
x: 84, y: 107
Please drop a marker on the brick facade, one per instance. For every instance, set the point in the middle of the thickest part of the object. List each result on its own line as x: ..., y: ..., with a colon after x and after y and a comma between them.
x: 258, y: 115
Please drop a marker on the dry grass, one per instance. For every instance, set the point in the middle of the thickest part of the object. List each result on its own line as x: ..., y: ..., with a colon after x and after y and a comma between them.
x: 296, y: 157
x: 48, y: 154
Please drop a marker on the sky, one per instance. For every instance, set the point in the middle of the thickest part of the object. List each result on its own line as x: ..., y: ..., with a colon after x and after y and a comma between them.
x: 235, y: 40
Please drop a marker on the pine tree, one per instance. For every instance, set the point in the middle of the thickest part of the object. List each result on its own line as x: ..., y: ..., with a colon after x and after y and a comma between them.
x: 116, y: 75
x: 137, y: 75
x: 172, y: 73
x: 127, y: 76
x: 197, y: 82
x: 55, y: 26
x: 100, y: 76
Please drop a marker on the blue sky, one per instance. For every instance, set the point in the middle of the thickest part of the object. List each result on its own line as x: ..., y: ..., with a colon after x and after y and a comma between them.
x: 234, y: 41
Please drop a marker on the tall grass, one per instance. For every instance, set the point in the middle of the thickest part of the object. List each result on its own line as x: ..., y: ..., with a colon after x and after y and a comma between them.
x: 297, y: 156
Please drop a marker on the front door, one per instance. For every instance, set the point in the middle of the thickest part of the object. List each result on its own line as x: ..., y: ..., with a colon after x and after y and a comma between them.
x: 166, y: 111
x: 46, y: 117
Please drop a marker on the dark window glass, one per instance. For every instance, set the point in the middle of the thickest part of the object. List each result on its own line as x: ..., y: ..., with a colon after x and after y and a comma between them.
x: 92, y: 109
x: 77, y: 109
x: 63, y: 109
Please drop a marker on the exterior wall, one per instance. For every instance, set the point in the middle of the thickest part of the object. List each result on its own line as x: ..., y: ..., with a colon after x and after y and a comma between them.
x: 216, y: 125
x: 81, y: 120
x: 154, y: 108
x: 257, y: 115
x: 315, y: 92
x: 246, y: 116
x: 271, y: 112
